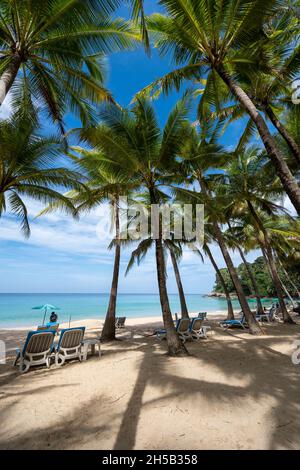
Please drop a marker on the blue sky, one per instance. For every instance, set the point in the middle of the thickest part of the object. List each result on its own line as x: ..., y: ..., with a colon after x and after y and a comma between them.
x: 63, y: 255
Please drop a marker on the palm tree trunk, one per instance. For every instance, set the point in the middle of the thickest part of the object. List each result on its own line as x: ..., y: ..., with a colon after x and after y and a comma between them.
x: 184, y: 309
x: 253, y: 281
x: 254, y: 327
x: 284, y: 133
x: 277, y: 282
x: 268, y: 254
x: 287, y: 179
x: 230, y: 313
x: 288, y: 294
x: 297, y: 293
x: 109, y: 328
x: 8, y: 77
x: 175, y: 345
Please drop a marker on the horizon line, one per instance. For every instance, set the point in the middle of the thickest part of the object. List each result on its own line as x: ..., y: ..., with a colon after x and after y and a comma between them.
x: 93, y: 293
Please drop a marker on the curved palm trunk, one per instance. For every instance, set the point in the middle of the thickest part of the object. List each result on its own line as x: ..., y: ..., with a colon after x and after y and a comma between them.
x: 254, y: 327
x: 287, y: 293
x: 184, y: 309
x: 253, y: 281
x: 284, y: 133
x: 287, y: 179
x: 253, y: 324
x: 8, y: 77
x: 268, y: 255
x: 289, y: 279
x: 230, y: 314
x: 175, y: 346
x: 109, y: 328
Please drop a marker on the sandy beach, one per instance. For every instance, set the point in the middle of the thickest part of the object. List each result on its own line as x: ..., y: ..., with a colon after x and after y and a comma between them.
x: 234, y: 391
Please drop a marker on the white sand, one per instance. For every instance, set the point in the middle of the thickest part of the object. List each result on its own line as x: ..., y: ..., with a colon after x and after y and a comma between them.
x: 235, y: 391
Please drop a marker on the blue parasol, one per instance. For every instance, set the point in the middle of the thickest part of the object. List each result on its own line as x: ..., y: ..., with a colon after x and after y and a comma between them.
x: 45, y: 307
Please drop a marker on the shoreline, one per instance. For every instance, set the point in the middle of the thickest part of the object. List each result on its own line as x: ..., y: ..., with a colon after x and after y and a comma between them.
x: 137, y: 397
x: 130, y: 321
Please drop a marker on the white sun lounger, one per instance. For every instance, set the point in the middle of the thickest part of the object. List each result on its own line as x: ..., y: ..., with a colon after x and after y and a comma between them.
x: 69, y: 345
x: 36, y: 350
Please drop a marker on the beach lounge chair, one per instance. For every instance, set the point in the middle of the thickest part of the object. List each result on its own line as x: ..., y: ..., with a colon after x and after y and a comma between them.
x: 268, y: 316
x: 273, y: 314
x: 202, y: 315
x: 69, y: 345
x: 182, y: 328
x: 197, y: 330
x: 120, y: 322
x: 241, y: 323
x: 49, y: 326
x: 36, y: 350
x: 261, y: 317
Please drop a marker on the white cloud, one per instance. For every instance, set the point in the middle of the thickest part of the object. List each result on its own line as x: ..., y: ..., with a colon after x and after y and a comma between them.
x: 289, y: 206
x: 59, y: 232
x: 5, y: 108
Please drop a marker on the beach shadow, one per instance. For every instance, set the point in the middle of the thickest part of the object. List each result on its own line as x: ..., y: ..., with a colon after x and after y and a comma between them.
x: 265, y: 373
x: 268, y: 372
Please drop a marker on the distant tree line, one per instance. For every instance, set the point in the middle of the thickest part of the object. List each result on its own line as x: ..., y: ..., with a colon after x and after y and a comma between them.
x: 289, y: 275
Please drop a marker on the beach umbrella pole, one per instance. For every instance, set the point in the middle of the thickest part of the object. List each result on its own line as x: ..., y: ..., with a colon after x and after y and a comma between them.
x: 44, y: 316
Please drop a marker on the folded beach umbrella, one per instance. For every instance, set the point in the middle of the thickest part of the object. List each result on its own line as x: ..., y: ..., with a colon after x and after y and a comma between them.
x: 45, y: 307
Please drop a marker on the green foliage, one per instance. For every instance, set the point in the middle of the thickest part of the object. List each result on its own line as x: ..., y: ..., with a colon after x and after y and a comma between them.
x: 59, y: 48
x: 262, y: 275
x: 27, y: 170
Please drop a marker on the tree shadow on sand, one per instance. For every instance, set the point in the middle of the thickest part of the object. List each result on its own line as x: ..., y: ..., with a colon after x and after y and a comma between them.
x: 280, y: 382
x: 264, y: 370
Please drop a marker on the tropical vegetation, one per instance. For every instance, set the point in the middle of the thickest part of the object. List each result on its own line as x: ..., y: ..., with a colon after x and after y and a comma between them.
x: 289, y: 276
x: 234, y: 62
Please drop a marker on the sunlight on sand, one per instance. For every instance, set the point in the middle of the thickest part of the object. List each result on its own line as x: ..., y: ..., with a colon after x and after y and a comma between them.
x: 234, y: 391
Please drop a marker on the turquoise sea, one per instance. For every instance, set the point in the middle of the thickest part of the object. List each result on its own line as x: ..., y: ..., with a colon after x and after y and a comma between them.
x: 16, y: 309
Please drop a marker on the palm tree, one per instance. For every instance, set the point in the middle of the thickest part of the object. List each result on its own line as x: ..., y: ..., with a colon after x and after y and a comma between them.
x: 104, y: 183
x: 175, y: 251
x: 230, y: 313
x: 171, y: 246
x: 250, y: 187
x: 55, y: 49
x: 215, y: 36
x: 269, y: 89
x: 27, y: 170
x: 198, y: 157
x: 135, y: 141
x: 235, y: 243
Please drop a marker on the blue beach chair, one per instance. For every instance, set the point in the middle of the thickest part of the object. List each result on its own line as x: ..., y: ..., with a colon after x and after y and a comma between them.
x: 49, y: 326
x: 197, y: 330
x: 202, y: 315
x: 241, y: 323
x: 36, y: 350
x: 69, y: 345
x: 182, y: 328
